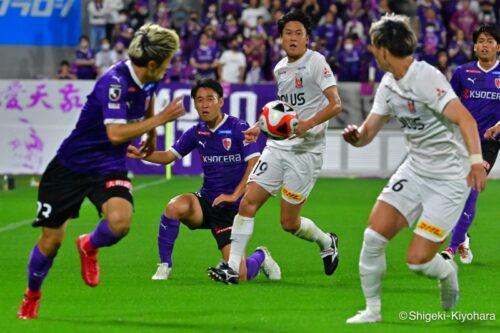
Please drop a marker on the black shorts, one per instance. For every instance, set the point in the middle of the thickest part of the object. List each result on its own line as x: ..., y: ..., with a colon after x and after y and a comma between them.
x: 62, y: 191
x: 218, y: 219
x: 490, y: 153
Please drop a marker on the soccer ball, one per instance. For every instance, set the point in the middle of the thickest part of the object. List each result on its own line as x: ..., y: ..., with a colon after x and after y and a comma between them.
x: 278, y: 120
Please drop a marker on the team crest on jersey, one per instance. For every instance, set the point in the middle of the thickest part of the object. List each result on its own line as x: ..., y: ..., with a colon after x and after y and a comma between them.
x: 226, y: 142
x: 298, y: 81
x: 411, y: 106
x: 115, y: 91
x: 497, y: 82
x: 327, y: 72
x: 440, y: 92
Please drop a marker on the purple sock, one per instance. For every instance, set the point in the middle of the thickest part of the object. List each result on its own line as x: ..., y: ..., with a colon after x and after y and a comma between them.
x: 167, y: 234
x: 103, y: 236
x: 465, y: 221
x: 253, y: 263
x: 38, y: 267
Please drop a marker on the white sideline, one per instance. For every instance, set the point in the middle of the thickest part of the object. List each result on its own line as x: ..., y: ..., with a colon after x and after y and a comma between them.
x: 19, y: 224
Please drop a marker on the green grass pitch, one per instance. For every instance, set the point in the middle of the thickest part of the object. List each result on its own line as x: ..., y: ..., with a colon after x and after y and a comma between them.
x: 306, y: 300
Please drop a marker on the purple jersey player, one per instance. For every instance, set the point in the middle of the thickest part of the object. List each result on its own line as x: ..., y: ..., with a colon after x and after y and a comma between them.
x: 91, y: 161
x: 227, y: 162
x: 478, y: 86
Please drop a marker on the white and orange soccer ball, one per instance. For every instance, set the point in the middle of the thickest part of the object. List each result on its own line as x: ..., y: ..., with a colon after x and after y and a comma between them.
x: 278, y: 120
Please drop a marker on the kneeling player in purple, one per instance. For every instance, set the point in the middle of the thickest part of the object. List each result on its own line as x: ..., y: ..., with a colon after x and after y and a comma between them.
x: 477, y: 84
x: 91, y: 161
x: 227, y: 161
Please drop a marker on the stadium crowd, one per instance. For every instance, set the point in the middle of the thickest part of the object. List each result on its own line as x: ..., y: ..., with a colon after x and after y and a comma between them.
x: 237, y: 41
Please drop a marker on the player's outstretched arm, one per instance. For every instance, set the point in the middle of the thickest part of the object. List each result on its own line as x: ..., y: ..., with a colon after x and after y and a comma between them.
x: 333, y: 108
x: 159, y: 157
x: 363, y: 135
x: 493, y: 132
x: 251, y: 134
x: 458, y: 114
x: 120, y: 133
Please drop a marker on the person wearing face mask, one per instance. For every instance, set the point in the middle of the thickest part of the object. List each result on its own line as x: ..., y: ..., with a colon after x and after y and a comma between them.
x: 349, y: 59
x: 85, y: 60
x: 105, y: 58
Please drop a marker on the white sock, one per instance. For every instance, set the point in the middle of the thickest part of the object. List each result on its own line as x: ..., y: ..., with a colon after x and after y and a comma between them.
x: 437, y: 268
x: 310, y: 232
x: 240, y: 235
x: 372, y: 267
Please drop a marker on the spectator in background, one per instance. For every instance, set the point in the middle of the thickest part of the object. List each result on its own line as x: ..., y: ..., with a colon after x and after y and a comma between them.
x: 179, y: 70
x: 97, y: 22
x: 85, y: 60
x: 230, y: 28
x: 139, y: 15
x: 254, y: 73
x: 487, y: 12
x: 312, y: 8
x: 250, y: 15
x: 113, y: 18
x: 380, y: 8
x: 464, y: 19
x: 431, y: 18
x: 443, y: 64
x: 178, y: 12
x: 105, y: 58
x: 232, y: 64
x: 459, y: 49
x: 161, y: 16
x: 255, y: 47
x: 204, y: 59
x: 350, y: 59
x: 64, y: 72
x: 232, y: 7
x: 121, y: 51
x: 429, y: 44
x: 124, y: 31
x: 330, y: 31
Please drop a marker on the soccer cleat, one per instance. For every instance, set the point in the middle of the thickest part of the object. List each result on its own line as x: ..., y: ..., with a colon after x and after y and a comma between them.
x: 449, y: 288
x: 465, y: 252
x: 88, y: 260
x: 29, y: 306
x: 448, y: 253
x: 269, y: 267
x: 330, y: 255
x: 163, y: 272
x: 224, y: 274
x: 365, y: 317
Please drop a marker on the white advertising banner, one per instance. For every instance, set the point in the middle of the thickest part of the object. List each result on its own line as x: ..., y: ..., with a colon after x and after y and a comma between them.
x: 35, y: 116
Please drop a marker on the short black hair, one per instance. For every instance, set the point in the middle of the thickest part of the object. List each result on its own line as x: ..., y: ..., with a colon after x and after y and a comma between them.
x: 207, y: 83
x: 491, y: 29
x: 295, y: 15
x: 64, y: 63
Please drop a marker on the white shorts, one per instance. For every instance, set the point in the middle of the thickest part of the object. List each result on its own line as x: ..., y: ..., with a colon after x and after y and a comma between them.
x: 439, y: 203
x: 296, y: 172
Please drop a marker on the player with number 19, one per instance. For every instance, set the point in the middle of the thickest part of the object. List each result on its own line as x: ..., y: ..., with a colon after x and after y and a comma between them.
x: 305, y: 81
x: 432, y: 184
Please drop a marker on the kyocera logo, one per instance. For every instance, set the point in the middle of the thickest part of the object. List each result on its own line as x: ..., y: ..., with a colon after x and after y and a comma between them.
x: 37, y: 8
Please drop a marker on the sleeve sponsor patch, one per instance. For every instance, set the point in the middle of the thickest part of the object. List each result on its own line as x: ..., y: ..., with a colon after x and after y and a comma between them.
x: 115, y: 92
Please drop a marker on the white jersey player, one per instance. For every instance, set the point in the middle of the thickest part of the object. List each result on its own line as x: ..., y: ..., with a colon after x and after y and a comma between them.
x: 431, y: 186
x: 305, y: 81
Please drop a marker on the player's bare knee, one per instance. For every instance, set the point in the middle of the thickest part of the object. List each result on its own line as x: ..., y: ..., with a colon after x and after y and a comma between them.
x: 119, y: 223
x: 247, y: 207
x: 414, y: 257
x: 49, y: 245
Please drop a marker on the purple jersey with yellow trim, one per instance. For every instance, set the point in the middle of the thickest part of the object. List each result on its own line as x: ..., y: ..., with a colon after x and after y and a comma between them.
x: 479, y: 91
x: 118, y: 98
x: 223, y: 155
